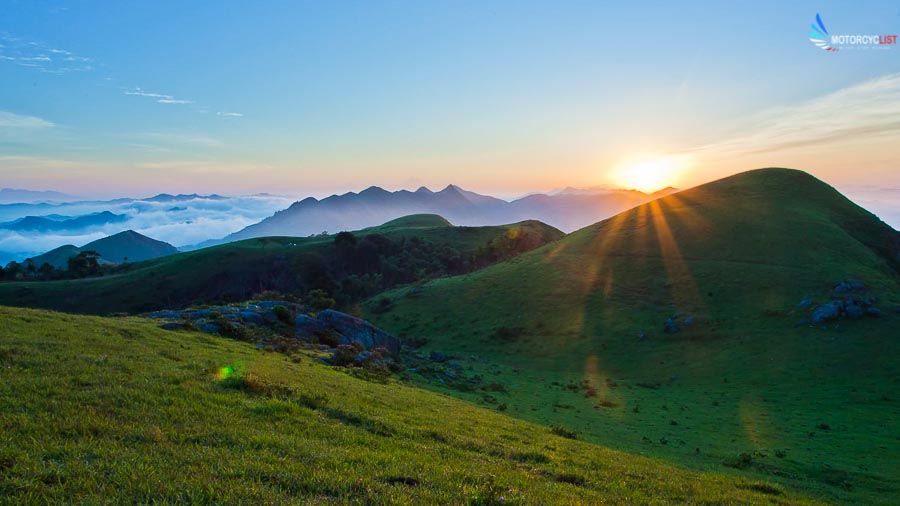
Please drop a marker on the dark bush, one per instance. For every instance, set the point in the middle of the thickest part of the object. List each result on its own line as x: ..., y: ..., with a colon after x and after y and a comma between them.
x: 508, y: 334
x: 561, y: 431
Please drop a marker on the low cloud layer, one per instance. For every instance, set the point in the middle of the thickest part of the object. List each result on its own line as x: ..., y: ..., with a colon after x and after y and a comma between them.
x: 180, y: 223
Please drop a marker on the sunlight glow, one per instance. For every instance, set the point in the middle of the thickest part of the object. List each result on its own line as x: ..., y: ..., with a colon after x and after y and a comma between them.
x: 650, y: 173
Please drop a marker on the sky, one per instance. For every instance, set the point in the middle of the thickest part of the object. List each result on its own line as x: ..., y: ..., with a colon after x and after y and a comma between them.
x: 122, y: 98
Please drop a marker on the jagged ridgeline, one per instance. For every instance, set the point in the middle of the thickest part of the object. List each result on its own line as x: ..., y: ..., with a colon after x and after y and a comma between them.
x: 347, y: 266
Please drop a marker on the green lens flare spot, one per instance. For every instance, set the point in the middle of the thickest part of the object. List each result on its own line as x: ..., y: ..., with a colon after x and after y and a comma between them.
x: 224, y: 373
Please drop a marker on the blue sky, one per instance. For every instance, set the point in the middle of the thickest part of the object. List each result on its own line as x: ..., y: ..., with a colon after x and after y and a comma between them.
x: 112, y: 98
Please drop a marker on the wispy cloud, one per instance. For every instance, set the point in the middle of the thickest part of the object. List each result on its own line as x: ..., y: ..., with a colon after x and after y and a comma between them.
x: 160, y: 97
x: 139, y: 93
x: 230, y: 114
x: 866, y: 110
x: 41, y: 57
x: 36, y: 55
x: 12, y: 120
x: 182, y: 138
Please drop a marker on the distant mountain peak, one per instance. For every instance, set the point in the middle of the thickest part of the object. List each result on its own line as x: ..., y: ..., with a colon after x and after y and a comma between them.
x: 424, y: 190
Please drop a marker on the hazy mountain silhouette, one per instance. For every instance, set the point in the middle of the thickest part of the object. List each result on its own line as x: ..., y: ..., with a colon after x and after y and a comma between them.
x: 374, y: 205
x: 112, y: 249
x: 55, y: 223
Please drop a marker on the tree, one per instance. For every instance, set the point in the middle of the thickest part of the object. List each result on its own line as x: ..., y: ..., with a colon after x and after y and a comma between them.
x: 13, y: 270
x: 85, y: 263
x: 46, y: 270
x: 345, y: 240
x: 318, y: 300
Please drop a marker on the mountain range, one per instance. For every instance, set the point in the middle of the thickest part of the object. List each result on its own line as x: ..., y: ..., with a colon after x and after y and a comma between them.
x: 57, y: 223
x: 567, y: 210
x: 19, y: 195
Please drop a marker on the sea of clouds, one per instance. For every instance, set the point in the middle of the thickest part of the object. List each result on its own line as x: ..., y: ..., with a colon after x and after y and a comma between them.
x: 181, y: 223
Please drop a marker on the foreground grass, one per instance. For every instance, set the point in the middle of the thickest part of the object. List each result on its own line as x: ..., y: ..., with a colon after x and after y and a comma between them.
x: 116, y: 410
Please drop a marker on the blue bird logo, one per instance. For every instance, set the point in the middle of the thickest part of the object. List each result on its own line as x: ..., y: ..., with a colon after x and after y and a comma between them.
x: 819, y: 35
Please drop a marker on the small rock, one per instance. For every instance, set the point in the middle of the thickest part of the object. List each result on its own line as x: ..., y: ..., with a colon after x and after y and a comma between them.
x: 689, y: 320
x: 436, y: 356
x: 670, y: 327
x: 826, y: 312
x: 853, y: 311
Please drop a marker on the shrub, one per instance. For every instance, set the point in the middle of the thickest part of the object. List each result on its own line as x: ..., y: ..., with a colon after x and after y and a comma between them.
x: 508, y: 334
x: 742, y: 461
x: 319, y: 300
x: 559, y: 430
x: 283, y: 314
x: 572, y: 479
x: 383, y: 305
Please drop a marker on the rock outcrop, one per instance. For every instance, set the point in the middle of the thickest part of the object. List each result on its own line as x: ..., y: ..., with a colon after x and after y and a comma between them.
x: 352, y: 329
x: 340, y: 327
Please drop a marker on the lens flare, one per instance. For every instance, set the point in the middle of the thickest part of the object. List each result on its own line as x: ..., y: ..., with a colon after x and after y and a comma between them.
x: 224, y: 372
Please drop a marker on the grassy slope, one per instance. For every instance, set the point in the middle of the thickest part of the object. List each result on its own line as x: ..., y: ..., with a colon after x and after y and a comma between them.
x: 738, y: 254
x: 233, y: 271
x: 96, y: 409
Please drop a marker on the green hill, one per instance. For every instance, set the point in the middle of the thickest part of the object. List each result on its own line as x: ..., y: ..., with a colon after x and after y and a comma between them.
x: 129, y: 245
x: 574, y: 331
x: 116, y: 410
x: 57, y: 257
x: 414, y: 221
x: 117, y: 248
x: 402, y: 251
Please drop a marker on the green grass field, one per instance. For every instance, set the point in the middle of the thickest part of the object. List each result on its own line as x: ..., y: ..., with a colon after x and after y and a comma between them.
x: 574, y: 332
x: 101, y: 410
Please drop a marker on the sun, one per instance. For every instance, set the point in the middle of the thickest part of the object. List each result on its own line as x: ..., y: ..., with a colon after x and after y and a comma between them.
x: 649, y: 174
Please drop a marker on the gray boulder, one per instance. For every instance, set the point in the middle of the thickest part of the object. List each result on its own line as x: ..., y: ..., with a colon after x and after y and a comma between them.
x: 354, y: 329
x: 251, y: 317
x: 853, y: 285
x: 168, y: 315
x: 826, y: 312
x: 854, y: 311
x: 306, y: 327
